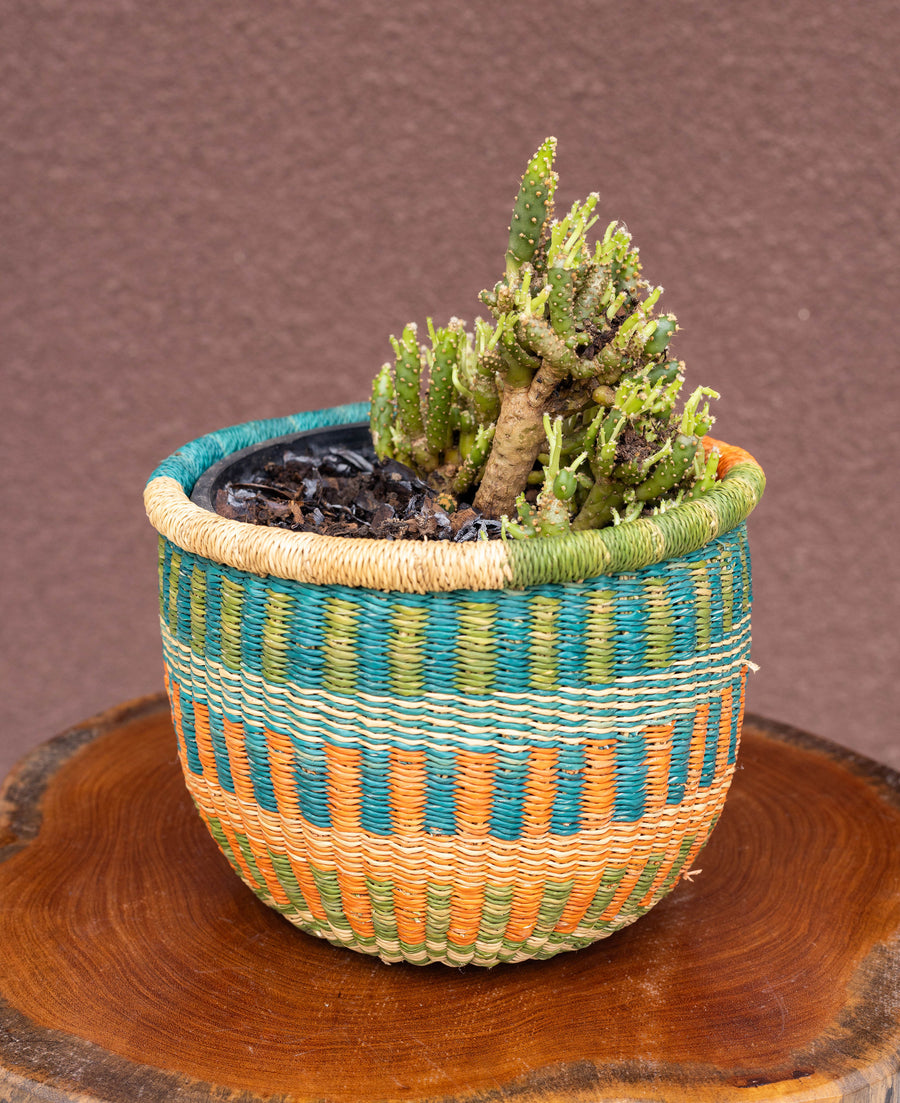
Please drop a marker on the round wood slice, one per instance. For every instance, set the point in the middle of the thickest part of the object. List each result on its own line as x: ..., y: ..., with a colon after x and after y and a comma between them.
x: 134, y: 965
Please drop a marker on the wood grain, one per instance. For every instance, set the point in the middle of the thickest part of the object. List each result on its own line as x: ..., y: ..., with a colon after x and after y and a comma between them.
x: 134, y: 964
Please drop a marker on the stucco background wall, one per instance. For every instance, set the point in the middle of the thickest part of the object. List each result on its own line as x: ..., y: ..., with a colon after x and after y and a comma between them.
x: 215, y: 212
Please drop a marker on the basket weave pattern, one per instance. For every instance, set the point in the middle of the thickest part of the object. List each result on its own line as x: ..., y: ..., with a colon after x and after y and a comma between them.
x: 472, y: 775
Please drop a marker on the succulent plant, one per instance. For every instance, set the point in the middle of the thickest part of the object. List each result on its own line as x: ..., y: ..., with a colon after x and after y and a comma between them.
x: 560, y: 412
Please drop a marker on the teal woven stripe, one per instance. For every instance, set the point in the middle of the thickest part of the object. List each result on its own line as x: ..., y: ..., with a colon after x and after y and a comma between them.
x: 220, y: 749
x: 213, y: 623
x: 440, y: 790
x: 257, y: 751
x: 375, y: 784
x: 510, y: 773
x: 712, y: 740
x: 631, y: 776
x: 188, y: 463
x: 680, y: 758
x: 566, y: 816
x: 311, y: 780
x: 306, y: 632
x: 188, y: 733
x: 630, y: 625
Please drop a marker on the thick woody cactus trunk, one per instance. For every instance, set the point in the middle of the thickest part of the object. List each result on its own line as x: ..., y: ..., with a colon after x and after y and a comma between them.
x: 517, y: 442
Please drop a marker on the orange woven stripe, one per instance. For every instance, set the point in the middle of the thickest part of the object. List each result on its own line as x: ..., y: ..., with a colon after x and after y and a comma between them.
x: 344, y: 802
x: 407, y: 785
x: 263, y: 859
x: 203, y: 739
x: 597, y: 800
x: 540, y: 791
x: 281, y: 770
x: 466, y: 904
x: 526, y: 903
x: 724, y: 740
x: 598, y: 792
x: 474, y: 791
x: 178, y: 722
x: 583, y: 892
x: 637, y: 862
x: 659, y: 754
x: 698, y: 749
x: 410, y: 904
x: 356, y: 902
x: 237, y: 760
x: 344, y: 786
x: 306, y: 883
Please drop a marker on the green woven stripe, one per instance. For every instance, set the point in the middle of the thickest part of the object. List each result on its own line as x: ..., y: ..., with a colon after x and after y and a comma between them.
x: 258, y: 882
x: 745, y: 579
x: 275, y: 636
x: 542, y: 653
x: 282, y: 866
x: 659, y: 631
x: 605, y: 892
x: 339, y: 645
x: 599, y: 642
x: 249, y: 857
x: 161, y: 545
x: 495, y: 912
x: 174, y: 571
x: 675, y: 871
x: 639, y: 543
x: 703, y: 603
x: 383, y: 919
x: 727, y: 590
x: 406, y: 649
x: 230, y: 616
x: 198, y: 609
x: 556, y: 896
x: 329, y: 890
x: 437, y: 916
x: 475, y: 658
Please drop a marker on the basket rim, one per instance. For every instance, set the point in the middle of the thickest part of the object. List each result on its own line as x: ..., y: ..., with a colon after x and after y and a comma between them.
x: 431, y: 566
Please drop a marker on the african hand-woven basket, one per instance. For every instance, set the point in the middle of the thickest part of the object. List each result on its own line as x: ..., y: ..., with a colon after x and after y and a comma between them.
x: 475, y: 752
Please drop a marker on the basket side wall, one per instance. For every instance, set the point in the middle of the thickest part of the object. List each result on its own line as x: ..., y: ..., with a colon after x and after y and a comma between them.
x: 459, y: 776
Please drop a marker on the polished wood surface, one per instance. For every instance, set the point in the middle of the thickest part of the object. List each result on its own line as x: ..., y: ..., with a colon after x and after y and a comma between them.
x: 135, y: 965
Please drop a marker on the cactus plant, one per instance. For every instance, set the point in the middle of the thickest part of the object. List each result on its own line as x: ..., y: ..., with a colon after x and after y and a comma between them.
x: 560, y: 413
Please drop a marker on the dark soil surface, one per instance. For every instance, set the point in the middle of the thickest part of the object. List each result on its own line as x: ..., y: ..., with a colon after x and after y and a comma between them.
x: 345, y: 493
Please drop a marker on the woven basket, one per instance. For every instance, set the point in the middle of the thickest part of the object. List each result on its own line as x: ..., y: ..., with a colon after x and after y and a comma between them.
x: 447, y: 752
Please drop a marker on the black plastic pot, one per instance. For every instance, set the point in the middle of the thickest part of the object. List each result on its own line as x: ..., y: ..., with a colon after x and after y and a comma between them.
x: 242, y: 466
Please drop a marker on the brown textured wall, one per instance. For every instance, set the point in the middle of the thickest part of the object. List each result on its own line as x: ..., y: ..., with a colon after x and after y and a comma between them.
x: 214, y: 212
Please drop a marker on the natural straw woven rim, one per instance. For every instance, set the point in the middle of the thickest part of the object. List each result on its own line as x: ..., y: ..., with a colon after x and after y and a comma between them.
x: 430, y: 566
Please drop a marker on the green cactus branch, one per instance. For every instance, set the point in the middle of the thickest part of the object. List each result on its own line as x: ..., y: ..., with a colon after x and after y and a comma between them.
x: 561, y: 412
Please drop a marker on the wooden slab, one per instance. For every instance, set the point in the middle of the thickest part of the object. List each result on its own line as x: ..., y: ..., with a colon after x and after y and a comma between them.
x: 134, y: 964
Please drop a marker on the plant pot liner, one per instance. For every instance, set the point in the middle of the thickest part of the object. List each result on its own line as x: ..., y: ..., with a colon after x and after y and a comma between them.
x: 477, y: 752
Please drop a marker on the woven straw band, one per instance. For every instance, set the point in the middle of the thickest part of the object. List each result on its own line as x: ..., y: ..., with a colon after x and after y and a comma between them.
x: 421, y: 567
x: 460, y: 776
